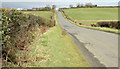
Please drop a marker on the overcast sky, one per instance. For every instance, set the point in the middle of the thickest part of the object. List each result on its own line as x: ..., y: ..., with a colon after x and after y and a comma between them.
x: 58, y: 3
x: 60, y: 0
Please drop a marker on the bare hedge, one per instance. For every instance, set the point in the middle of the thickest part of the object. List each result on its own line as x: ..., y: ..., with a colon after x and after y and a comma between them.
x: 109, y: 24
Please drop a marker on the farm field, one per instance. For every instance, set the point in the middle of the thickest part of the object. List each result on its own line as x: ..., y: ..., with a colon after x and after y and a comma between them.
x: 92, y: 15
x: 45, y: 14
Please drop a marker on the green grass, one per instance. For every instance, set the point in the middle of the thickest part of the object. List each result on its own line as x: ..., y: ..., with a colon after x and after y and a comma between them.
x: 62, y: 50
x: 116, y: 31
x: 92, y: 15
x: 45, y: 14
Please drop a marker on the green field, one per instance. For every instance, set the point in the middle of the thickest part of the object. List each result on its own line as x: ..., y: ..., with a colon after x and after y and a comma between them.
x: 92, y: 15
x: 45, y: 14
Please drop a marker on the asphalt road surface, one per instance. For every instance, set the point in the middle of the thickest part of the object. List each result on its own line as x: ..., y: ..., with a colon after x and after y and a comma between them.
x: 99, y: 48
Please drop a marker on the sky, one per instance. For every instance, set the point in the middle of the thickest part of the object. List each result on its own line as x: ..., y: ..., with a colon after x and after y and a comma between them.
x: 60, y: 0
x: 58, y: 3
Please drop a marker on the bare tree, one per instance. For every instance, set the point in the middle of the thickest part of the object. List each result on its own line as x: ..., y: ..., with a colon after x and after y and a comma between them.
x: 71, y: 6
x: 82, y: 5
x: 89, y: 5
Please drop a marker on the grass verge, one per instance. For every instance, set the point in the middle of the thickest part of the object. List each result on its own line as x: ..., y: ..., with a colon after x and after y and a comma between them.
x: 59, y: 50
x: 62, y: 50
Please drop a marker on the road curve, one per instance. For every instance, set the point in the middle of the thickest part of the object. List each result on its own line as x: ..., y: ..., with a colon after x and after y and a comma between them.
x: 99, y: 48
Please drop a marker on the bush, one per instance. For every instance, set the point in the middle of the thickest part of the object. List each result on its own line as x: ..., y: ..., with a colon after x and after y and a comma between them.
x: 93, y: 25
x: 15, y: 31
x: 109, y: 24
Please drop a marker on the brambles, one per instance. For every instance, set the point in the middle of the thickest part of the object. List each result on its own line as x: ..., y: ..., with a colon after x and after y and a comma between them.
x: 16, y: 31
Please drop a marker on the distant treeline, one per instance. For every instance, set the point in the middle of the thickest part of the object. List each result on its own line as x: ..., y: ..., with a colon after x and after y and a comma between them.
x: 90, y: 5
x: 84, y: 6
x: 47, y: 8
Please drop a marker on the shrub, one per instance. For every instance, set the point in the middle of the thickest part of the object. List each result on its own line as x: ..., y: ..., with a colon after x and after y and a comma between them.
x: 93, y: 25
x: 15, y: 31
x: 109, y: 24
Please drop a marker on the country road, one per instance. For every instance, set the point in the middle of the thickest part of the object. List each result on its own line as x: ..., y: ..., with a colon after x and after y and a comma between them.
x: 99, y: 48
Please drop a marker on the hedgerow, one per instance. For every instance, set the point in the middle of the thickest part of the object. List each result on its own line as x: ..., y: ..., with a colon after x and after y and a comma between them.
x: 15, y: 31
x: 109, y: 24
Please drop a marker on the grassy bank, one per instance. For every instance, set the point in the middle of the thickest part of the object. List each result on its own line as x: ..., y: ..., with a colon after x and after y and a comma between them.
x: 87, y: 21
x: 92, y: 15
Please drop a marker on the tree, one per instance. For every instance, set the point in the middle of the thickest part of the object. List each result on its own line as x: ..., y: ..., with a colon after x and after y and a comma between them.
x: 89, y: 5
x: 47, y: 8
x: 82, y: 5
x: 78, y: 5
x: 53, y: 7
x: 95, y: 5
x: 71, y: 6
